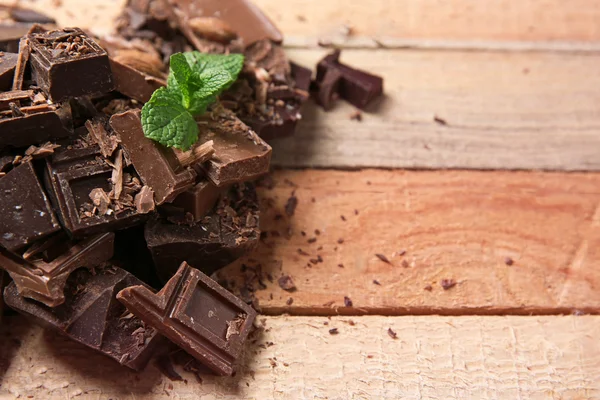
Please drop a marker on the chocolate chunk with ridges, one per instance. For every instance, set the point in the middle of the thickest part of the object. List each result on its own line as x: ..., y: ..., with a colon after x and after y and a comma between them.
x: 240, y: 155
x: 198, y: 315
x: 357, y: 87
x: 157, y: 165
x: 92, y: 316
x: 225, y: 234
x: 247, y: 20
x: 72, y: 175
x: 44, y: 280
x: 199, y: 200
x: 25, y: 209
x: 8, y: 62
x: 133, y: 83
x: 67, y: 63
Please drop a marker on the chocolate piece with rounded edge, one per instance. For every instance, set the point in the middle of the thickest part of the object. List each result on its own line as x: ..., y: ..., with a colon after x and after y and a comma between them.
x: 26, y: 212
x: 157, y: 165
x: 44, y: 280
x: 67, y: 63
x: 92, y: 316
x: 197, y: 314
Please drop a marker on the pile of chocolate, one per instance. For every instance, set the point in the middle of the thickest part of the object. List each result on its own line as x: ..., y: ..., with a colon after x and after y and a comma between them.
x: 95, y: 217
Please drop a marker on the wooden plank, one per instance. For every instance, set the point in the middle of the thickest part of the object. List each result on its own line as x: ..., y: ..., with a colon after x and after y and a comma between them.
x: 459, y: 225
x: 503, y: 110
x: 432, y: 358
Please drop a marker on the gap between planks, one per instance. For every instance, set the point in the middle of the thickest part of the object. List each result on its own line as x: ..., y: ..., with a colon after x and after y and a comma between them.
x: 296, y: 357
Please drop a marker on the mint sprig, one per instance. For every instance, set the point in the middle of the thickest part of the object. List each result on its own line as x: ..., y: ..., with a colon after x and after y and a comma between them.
x: 195, y: 80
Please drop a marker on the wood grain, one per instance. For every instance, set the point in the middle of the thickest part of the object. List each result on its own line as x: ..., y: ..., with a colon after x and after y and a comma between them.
x: 503, y: 110
x: 456, y: 225
x: 432, y: 358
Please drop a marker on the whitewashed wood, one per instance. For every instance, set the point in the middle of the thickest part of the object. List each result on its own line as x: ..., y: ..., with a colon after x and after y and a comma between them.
x: 432, y: 358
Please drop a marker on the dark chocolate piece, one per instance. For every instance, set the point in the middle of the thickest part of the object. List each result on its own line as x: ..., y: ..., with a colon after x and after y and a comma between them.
x: 225, y: 234
x: 67, y: 63
x: 133, y: 83
x: 199, y: 200
x: 329, y: 88
x: 357, y: 87
x: 240, y: 155
x: 92, y: 316
x: 19, y: 14
x: 157, y: 165
x: 92, y: 195
x: 198, y: 315
x: 44, y: 280
x: 26, y: 212
x: 8, y: 62
x: 11, y: 34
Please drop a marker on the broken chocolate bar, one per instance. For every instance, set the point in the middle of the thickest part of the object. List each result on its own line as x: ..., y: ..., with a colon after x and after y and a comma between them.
x: 221, y: 237
x: 197, y: 314
x: 92, y: 316
x: 67, y: 63
x: 240, y: 155
x: 157, y: 165
x: 357, y: 87
x: 44, y: 279
x: 134, y: 83
x: 8, y: 62
x: 25, y: 209
x: 92, y: 193
x: 199, y: 199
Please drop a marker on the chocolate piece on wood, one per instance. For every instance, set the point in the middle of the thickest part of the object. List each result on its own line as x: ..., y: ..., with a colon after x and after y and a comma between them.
x: 133, y: 83
x: 225, y: 234
x: 328, y: 89
x: 157, y: 165
x: 92, y: 195
x: 199, y: 200
x: 198, y: 315
x: 67, y: 63
x: 240, y: 154
x: 44, y: 279
x: 357, y: 87
x: 8, y: 62
x: 214, y: 19
x: 26, y: 213
x: 92, y: 316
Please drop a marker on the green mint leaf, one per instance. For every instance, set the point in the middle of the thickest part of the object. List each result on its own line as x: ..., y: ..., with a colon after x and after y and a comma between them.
x: 167, y: 121
x: 181, y: 78
x: 230, y: 63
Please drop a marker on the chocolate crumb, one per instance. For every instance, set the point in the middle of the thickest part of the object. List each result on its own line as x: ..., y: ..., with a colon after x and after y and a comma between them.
x: 286, y: 283
x: 333, y: 331
x: 342, y: 217
x: 439, y: 120
x: 405, y: 264
x: 312, y: 199
x: 312, y: 240
x: 341, y: 265
x: 508, y: 261
x: 383, y: 258
x: 392, y: 334
x: 289, y: 301
x: 290, y: 206
x: 303, y: 233
x: 314, y: 261
x: 355, y: 212
x: 447, y: 283
x: 326, y: 323
x: 375, y: 281
x: 347, y: 301
x: 340, y: 240
x: 303, y: 253
x: 429, y: 288
x: 317, y: 232
x: 356, y: 116
x: 402, y: 252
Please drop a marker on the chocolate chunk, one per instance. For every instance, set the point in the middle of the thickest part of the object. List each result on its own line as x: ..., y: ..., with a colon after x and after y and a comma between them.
x: 134, y: 83
x: 144, y: 200
x: 240, y: 155
x: 286, y: 283
x: 100, y: 135
x: 357, y: 87
x: 44, y: 280
x: 19, y: 14
x: 328, y: 89
x: 8, y: 62
x: 248, y: 21
x: 197, y: 314
x: 11, y: 34
x: 199, y: 200
x: 25, y: 210
x: 447, y: 283
x: 92, y: 316
x: 225, y: 234
x: 75, y: 174
x: 67, y: 63
x: 157, y: 165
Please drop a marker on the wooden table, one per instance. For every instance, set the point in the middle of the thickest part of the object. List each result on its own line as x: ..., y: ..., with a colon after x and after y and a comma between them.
x: 501, y: 194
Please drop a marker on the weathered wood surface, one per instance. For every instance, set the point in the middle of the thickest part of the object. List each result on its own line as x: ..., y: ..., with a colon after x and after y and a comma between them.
x: 460, y: 225
x: 432, y: 358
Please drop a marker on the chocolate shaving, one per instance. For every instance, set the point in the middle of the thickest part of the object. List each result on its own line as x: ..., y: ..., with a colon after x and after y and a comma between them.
x: 196, y: 155
x: 100, y: 200
x: 347, y: 301
x: 383, y: 258
x: 233, y: 327
x: 447, y: 283
x: 392, y: 334
x: 508, y: 261
x: 439, y: 120
x: 144, y: 200
x: 117, y: 176
x: 286, y: 283
x: 333, y: 331
x: 290, y: 206
x: 98, y: 133
x: 24, y: 52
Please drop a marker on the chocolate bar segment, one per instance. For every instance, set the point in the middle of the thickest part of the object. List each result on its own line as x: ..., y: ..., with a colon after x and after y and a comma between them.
x: 199, y: 199
x: 26, y: 212
x: 225, y: 234
x: 44, y: 279
x: 92, y: 316
x: 197, y: 314
x: 157, y: 165
x: 357, y: 87
x: 8, y: 62
x: 67, y: 63
x: 133, y: 83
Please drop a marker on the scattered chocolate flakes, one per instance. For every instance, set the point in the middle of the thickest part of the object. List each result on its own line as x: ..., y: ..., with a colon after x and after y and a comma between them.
x: 289, y: 301
x: 509, y: 261
x: 376, y: 282
x: 286, y: 283
x: 356, y: 116
x: 392, y: 334
x: 290, y: 206
x: 429, y: 288
x: 439, y: 120
x: 383, y: 258
x: 347, y: 301
x: 447, y: 283
x: 333, y: 331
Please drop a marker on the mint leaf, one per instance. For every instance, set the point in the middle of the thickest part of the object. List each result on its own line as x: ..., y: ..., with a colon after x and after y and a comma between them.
x: 167, y: 121
x: 180, y: 78
x: 230, y: 63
